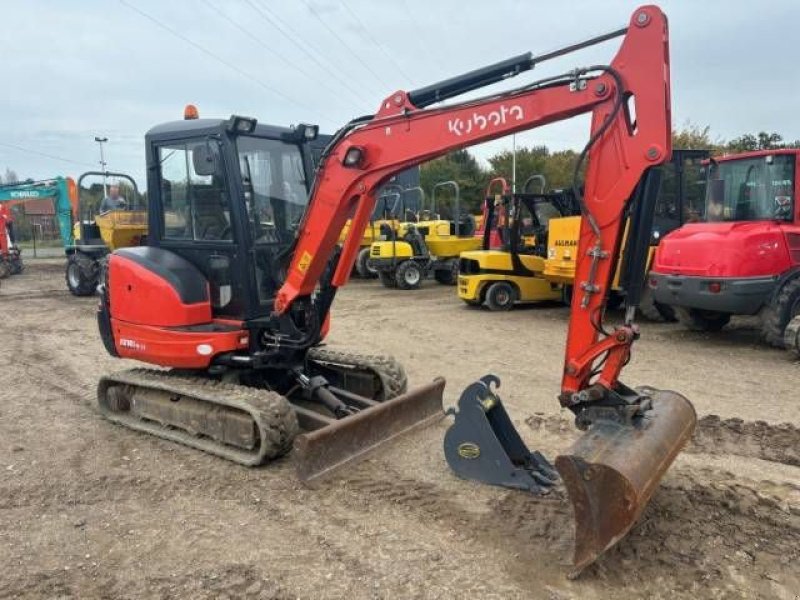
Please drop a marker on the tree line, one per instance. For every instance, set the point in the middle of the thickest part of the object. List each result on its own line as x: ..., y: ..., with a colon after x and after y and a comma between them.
x: 558, y: 166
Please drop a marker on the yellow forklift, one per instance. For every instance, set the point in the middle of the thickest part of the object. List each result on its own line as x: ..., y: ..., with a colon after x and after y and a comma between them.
x: 502, y: 277
x: 499, y: 279
x: 404, y: 257
x: 679, y: 200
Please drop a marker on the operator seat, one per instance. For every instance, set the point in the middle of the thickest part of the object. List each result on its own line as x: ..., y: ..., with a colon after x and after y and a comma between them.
x: 466, y: 226
x: 210, y: 219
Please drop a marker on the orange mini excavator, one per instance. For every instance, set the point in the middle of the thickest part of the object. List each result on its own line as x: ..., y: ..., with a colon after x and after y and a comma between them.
x: 234, y: 288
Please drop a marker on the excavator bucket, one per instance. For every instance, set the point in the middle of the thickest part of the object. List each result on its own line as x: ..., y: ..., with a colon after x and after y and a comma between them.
x: 610, y: 472
x: 613, y: 469
x: 483, y: 445
x: 329, y: 444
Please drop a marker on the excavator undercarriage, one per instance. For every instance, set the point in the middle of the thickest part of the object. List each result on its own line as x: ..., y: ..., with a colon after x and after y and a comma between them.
x: 240, y: 418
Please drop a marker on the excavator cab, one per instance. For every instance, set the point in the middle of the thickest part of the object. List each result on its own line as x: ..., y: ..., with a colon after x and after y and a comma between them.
x: 226, y: 204
x: 229, y: 205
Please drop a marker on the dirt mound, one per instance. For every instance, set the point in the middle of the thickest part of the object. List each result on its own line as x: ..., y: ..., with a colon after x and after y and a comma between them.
x: 713, y: 435
x: 778, y: 443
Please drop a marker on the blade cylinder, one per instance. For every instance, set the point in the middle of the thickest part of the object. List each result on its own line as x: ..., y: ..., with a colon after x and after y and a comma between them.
x: 613, y: 469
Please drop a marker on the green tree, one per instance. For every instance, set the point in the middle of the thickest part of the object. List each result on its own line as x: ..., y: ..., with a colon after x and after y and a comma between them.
x: 557, y: 167
x: 694, y: 137
x: 463, y: 168
x: 760, y: 141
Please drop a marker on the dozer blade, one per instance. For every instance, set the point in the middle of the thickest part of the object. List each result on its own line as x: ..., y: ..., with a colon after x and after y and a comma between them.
x: 342, y: 442
x: 483, y: 445
x: 613, y: 469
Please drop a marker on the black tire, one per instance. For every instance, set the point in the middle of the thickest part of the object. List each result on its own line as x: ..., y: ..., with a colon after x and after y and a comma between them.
x: 448, y: 274
x: 655, y: 311
x: 387, y: 279
x: 362, y: 265
x: 408, y: 275
x: 702, y: 320
x: 5, y: 268
x: 614, y: 301
x: 566, y: 294
x: 501, y: 295
x: 82, y: 274
x: 791, y: 337
x: 17, y: 266
x: 776, y: 315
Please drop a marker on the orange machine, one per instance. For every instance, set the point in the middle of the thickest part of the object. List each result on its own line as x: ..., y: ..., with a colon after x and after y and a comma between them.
x: 242, y: 274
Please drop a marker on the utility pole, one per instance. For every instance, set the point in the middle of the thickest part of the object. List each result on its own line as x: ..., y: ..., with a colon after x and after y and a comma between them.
x: 101, y: 141
x: 513, y: 163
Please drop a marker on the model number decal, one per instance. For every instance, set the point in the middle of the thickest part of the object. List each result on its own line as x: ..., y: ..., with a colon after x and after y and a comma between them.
x: 132, y: 344
x: 480, y: 121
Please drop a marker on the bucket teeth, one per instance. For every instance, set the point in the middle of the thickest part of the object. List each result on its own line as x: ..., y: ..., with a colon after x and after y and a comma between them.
x: 483, y: 445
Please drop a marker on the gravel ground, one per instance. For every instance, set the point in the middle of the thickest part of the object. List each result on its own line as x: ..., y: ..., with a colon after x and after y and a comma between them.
x: 90, y: 510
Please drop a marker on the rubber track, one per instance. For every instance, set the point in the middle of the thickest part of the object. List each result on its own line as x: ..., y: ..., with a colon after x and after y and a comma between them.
x: 272, y: 413
x: 391, y: 373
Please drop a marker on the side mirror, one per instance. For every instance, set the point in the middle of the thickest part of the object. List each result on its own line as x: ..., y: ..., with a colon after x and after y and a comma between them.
x: 205, y: 159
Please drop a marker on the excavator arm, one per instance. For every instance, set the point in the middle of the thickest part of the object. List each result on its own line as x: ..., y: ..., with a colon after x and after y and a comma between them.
x: 632, y: 436
x: 631, y: 127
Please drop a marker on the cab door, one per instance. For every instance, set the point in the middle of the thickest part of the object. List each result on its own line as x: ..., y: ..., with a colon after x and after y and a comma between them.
x: 193, y: 214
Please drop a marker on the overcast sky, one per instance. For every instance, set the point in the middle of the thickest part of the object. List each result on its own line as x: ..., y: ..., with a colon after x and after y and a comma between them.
x: 76, y: 69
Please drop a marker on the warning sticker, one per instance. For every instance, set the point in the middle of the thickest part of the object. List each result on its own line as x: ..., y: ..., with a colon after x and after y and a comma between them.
x: 305, y: 261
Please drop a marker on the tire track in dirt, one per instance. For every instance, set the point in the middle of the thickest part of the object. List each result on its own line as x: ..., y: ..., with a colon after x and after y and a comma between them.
x: 45, y: 367
x: 702, y: 528
x: 91, y: 489
x: 34, y: 294
x: 231, y: 580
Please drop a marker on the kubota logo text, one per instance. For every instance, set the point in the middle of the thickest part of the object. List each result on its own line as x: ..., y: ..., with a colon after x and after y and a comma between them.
x: 480, y: 122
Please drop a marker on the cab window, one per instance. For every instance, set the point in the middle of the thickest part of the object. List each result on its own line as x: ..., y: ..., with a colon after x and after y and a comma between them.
x: 194, y: 194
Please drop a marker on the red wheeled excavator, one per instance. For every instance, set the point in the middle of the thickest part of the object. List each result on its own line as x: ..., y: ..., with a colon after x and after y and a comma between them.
x: 234, y: 288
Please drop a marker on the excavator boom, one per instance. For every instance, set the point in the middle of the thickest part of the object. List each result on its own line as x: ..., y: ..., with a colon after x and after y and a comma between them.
x: 629, y: 100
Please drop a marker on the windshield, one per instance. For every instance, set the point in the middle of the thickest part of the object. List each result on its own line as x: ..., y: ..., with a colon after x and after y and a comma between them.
x: 275, y: 188
x: 751, y: 189
x: 546, y: 211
